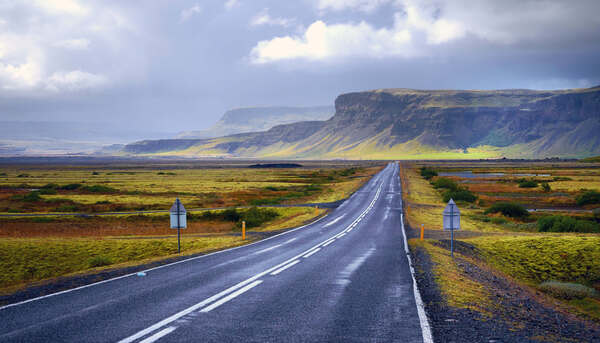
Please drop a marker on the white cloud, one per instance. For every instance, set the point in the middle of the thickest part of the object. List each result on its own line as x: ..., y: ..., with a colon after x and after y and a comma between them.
x: 339, y: 5
x: 73, y: 44
x: 263, y: 18
x: 322, y: 41
x: 230, y: 4
x: 74, y: 80
x: 20, y: 76
x: 72, y: 7
x: 187, y: 13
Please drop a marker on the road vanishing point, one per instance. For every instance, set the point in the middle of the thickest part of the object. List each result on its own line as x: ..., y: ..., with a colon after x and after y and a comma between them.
x: 344, y: 278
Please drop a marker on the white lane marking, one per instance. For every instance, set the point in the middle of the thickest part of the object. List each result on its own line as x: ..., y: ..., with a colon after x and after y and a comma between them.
x: 290, y: 240
x: 312, y: 253
x: 231, y: 296
x: 185, y: 312
x: 425, y: 328
x: 159, y: 267
x: 267, y: 249
x: 285, y: 267
x: 233, y: 288
x: 327, y: 243
x: 159, y: 335
x: 335, y: 220
x: 342, y: 235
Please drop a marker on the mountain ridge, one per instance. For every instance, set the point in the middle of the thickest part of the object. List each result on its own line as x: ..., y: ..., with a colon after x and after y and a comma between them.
x: 424, y: 124
x: 259, y: 118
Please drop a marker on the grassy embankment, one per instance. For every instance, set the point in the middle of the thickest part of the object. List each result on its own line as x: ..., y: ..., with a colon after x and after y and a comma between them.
x: 35, y: 249
x: 564, y: 265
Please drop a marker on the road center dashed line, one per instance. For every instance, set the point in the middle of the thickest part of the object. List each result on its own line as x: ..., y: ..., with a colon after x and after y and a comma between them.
x: 312, y: 253
x: 231, y: 296
x: 159, y: 335
x: 285, y: 267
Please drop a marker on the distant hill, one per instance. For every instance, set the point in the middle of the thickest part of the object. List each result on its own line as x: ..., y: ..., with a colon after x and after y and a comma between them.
x: 420, y: 124
x: 253, y: 119
x: 594, y: 159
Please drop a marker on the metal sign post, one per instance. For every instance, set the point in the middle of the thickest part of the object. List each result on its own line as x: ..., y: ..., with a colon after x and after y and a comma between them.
x: 178, y: 220
x: 451, y: 222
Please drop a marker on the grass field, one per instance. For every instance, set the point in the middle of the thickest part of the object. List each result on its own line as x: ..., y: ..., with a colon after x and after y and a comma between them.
x: 23, y: 261
x: 36, y: 189
x: 511, y: 245
x: 34, y: 249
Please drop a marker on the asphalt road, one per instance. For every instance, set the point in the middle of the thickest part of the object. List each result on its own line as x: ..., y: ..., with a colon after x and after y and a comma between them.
x: 344, y: 278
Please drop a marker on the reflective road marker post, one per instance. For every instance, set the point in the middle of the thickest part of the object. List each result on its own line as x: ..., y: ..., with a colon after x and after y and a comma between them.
x: 451, y: 222
x: 178, y: 220
x: 243, y: 230
x: 422, y: 231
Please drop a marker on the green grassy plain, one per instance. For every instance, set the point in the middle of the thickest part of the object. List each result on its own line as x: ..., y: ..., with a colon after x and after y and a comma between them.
x: 512, y: 246
x: 35, y: 249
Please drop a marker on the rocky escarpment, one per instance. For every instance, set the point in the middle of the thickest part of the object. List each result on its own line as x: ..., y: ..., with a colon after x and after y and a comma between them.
x: 405, y: 123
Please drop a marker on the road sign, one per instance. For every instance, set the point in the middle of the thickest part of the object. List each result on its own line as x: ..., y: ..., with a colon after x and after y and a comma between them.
x: 451, y: 216
x: 451, y: 222
x: 178, y: 220
x: 178, y: 215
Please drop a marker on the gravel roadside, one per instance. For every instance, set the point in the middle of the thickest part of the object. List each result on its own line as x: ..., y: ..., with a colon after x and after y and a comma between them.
x: 519, y: 314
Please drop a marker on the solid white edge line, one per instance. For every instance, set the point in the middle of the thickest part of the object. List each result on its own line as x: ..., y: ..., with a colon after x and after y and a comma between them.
x: 312, y: 253
x: 285, y: 267
x: 231, y: 296
x: 207, y: 301
x: 155, y: 268
x: 159, y: 335
x: 425, y: 328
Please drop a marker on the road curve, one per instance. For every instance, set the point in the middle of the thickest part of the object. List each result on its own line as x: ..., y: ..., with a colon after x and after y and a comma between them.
x: 343, y: 278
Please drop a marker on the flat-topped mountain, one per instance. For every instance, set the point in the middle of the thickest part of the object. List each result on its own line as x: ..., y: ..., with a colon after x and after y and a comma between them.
x: 254, y: 119
x: 420, y: 124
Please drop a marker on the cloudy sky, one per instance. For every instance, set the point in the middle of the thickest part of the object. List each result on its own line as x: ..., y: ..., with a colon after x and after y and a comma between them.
x: 176, y: 65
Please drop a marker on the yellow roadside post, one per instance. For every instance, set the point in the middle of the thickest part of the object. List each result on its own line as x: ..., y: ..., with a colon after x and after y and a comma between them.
x: 243, y: 230
x: 422, y: 231
x: 316, y: 210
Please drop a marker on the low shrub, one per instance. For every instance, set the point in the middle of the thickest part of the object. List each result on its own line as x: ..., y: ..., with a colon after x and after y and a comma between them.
x: 257, y: 216
x: 42, y: 220
x: 98, y: 189
x: 509, y: 209
x: 567, y: 290
x: 446, y: 183
x: 32, y: 196
x: 103, y: 202
x: 231, y: 215
x: 460, y: 194
x: 428, y: 173
x: 3, y: 174
x: 588, y: 197
x: 596, y: 213
x: 528, y: 184
x: 71, y: 186
x: 546, y: 187
x: 561, y: 178
x: 99, y: 261
x: 95, y: 173
x: 23, y: 175
x: 50, y: 186
x: 566, y: 224
x: 47, y: 191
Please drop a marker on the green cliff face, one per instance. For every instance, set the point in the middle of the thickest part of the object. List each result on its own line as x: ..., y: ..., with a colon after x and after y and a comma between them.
x: 414, y: 124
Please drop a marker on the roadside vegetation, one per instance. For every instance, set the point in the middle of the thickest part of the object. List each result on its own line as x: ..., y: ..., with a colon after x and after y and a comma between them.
x: 34, y: 249
x: 537, y: 224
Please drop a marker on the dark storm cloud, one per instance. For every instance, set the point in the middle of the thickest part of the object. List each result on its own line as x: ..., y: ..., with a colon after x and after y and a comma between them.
x: 178, y: 65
